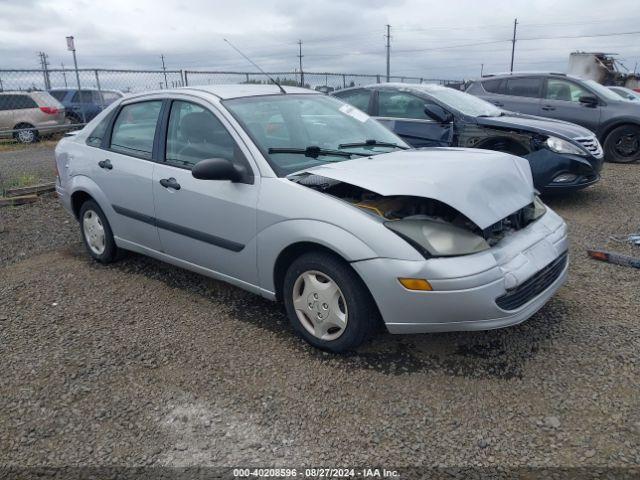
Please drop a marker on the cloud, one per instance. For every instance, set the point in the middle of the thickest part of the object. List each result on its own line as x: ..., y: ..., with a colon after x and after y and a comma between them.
x: 429, y: 39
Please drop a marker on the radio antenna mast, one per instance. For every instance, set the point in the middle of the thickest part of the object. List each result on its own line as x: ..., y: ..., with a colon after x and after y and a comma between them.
x: 256, y: 65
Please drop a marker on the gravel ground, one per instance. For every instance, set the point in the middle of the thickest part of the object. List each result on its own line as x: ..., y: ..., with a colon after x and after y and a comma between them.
x: 32, y: 161
x: 140, y: 363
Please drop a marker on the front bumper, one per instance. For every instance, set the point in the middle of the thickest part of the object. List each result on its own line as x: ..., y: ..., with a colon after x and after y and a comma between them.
x: 466, y: 288
x: 547, y: 165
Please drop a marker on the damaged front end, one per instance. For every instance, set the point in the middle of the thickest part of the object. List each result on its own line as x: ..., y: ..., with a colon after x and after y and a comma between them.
x: 432, y: 227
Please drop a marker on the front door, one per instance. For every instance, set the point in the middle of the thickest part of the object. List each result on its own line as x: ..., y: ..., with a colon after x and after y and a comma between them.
x: 209, y: 223
x: 123, y: 170
x: 562, y: 101
x: 403, y: 113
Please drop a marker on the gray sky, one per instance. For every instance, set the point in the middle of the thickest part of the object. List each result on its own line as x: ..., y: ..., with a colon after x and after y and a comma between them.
x: 340, y: 36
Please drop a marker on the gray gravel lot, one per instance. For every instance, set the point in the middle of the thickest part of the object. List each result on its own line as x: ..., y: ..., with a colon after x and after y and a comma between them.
x: 140, y: 363
x: 34, y: 161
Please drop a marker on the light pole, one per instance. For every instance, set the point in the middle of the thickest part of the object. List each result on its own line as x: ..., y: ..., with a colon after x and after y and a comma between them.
x: 72, y: 47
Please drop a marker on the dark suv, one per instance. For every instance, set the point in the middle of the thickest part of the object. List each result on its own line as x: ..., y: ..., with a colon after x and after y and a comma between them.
x: 615, y: 121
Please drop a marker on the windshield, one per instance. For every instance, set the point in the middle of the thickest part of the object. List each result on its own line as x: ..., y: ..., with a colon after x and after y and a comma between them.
x: 463, y: 102
x: 296, y: 121
x: 602, y: 91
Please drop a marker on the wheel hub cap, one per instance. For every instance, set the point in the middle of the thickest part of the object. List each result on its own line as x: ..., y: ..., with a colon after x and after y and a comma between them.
x: 320, y: 305
x: 93, y: 232
x: 628, y: 145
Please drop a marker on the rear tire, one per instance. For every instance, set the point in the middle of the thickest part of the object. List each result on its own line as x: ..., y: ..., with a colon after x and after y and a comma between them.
x: 96, y: 233
x: 327, y: 303
x: 622, y: 145
x: 26, y: 133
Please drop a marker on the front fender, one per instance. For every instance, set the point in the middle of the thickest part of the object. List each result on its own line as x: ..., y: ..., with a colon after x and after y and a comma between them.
x: 275, y: 238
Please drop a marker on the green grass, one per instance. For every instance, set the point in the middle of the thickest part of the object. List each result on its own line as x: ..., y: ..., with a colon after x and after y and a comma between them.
x: 22, y: 180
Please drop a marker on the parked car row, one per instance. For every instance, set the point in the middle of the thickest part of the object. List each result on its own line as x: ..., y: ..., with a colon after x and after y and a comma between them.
x: 299, y: 197
x: 614, y: 120
x: 562, y: 156
x: 25, y: 116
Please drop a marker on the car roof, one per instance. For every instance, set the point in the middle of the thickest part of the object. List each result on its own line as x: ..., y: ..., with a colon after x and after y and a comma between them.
x: 527, y: 74
x: 235, y: 90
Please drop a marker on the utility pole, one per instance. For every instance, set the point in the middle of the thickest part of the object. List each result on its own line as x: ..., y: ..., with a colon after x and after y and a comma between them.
x: 513, y: 42
x: 72, y: 47
x: 388, y: 35
x: 300, y: 60
x: 64, y: 74
x: 44, y: 63
x: 165, y: 73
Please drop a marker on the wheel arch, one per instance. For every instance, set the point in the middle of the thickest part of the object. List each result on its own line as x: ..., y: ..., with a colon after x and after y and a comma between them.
x: 513, y: 146
x: 607, y: 128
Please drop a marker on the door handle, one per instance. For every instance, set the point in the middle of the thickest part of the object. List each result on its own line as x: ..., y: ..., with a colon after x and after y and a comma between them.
x: 106, y: 164
x: 170, y: 183
x: 548, y: 108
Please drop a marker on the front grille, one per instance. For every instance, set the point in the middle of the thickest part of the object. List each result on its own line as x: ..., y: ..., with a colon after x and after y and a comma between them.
x: 533, y: 287
x: 591, y: 144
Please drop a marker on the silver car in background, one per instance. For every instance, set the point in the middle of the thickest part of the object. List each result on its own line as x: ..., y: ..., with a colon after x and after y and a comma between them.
x: 302, y: 198
x: 26, y: 116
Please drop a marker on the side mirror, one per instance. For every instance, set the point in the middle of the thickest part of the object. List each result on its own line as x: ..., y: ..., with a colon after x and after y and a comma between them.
x: 216, y: 169
x: 589, y: 100
x: 438, y: 113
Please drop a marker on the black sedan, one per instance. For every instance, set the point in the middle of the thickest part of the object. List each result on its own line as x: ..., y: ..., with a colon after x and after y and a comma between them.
x: 563, y: 156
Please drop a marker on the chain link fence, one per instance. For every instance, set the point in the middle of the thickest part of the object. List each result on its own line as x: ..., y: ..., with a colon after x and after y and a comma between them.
x: 36, y: 103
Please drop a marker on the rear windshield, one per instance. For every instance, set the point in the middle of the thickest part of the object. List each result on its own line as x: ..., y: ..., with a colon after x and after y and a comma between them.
x: 58, y: 94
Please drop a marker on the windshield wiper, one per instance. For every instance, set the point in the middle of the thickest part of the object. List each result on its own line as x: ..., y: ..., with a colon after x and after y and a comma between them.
x: 372, y: 143
x: 315, y: 152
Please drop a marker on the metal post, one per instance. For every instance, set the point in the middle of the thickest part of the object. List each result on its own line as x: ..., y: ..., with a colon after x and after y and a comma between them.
x: 64, y: 75
x: 246, y: 76
x: 481, y: 69
x: 344, y: 81
x: 300, y: 59
x: 71, y: 46
x: 165, y: 72
x: 388, y: 51
x: 185, y: 80
x: 513, y: 42
x: 99, y: 90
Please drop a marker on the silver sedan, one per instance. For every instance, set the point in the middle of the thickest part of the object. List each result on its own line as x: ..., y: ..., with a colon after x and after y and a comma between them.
x: 301, y: 198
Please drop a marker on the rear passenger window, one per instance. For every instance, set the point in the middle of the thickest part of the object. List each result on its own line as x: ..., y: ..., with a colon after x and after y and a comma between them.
x: 494, y: 86
x: 194, y: 134
x: 22, y: 102
x: 357, y: 98
x: 95, y: 138
x: 524, y: 87
x: 134, y: 129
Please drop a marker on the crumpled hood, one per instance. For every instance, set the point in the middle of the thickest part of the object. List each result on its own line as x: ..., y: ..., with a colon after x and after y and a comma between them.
x: 532, y: 123
x: 484, y: 186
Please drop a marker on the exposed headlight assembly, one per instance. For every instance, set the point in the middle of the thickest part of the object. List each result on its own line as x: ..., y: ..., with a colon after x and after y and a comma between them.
x: 558, y: 145
x: 438, y: 239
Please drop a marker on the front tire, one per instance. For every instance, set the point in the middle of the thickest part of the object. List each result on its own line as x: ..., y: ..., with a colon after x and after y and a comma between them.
x: 622, y: 145
x: 327, y: 303
x: 96, y: 233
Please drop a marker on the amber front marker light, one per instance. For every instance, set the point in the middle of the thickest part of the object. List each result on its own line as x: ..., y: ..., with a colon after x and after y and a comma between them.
x: 415, y: 284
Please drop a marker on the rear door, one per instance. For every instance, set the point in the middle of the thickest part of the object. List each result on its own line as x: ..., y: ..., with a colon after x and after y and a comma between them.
x: 209, y: 223
x: 521, y: 94
x: 123, y: 169
x: 561, y: 100
x: 403, y: 113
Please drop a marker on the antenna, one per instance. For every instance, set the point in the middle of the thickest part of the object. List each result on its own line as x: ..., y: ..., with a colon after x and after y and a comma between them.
x: 256, y: 65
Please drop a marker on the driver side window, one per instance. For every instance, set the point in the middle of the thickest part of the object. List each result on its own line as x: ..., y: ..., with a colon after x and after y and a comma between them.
x: 559, y: 89
x: 194, y: 134
x: 401, y: 105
